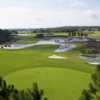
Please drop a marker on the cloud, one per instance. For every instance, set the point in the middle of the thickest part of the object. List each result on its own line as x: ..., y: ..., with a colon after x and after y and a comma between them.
x: 15, y: 10
x: 93, y: 14
x: 60, y: 0
x: 37, y: 18
x: 78, y: 3
x: 19, y: 17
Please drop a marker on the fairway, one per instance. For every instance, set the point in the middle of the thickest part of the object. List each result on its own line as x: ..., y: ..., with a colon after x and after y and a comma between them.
x: 61, y: 79
x: 58, y: 83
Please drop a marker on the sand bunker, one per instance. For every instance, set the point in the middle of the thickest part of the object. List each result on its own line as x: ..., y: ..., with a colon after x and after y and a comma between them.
x: 93, y: 63
x: 58, y: 57
x: 62, y: 48
x: 19, y: 46
x: 65, y: 47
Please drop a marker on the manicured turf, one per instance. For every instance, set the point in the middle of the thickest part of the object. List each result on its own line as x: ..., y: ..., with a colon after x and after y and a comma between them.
x: 55, y: 77
x: 29, y: 39
x: 96, y: 35
x: 58, y: 83
x: 24, y: 32
x: 13, y: 60
x: 61, y: 79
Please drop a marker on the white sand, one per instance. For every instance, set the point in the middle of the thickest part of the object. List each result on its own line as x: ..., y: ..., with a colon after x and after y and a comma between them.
x: 19, y: 46
x: 93, y: 63
x: 62, y: 48
x: 58, y: 57
x: 65, y: 47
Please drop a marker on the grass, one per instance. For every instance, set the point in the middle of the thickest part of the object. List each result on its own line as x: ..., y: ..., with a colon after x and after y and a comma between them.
x: 24, y: 32
x: 28, y: 39
x: 61, y: 33
x: 58, y: 83
x: 96, y: 35
x: 61, y: 79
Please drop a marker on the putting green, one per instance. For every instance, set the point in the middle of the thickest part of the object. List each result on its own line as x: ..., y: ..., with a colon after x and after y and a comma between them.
x: 58, y: 83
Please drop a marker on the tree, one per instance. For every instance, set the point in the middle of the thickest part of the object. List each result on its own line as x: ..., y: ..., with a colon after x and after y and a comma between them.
x: 78, y: 33
x: 40, y: 31
x: 86, y: 35
x: 69, y: 33
x: 10, y: 93
x: 47, y: 31
x: 40, y: 36
x: 14, y: 32
x: 94, y: 88
x: 74, y: 33
x: 81, y: 34
x: 34, y: 31
x: 5, y: 35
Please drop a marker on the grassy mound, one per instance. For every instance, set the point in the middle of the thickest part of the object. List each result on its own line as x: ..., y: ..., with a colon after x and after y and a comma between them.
x: 58, y: 83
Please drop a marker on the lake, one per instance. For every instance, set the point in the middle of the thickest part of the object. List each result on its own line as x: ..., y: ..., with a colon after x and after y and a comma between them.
x: 20, y: 34
x: 91, y: 58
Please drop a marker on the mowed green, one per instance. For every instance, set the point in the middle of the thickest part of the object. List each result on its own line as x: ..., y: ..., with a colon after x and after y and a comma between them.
x: 96, y: 35
x: 28, y: 39
x: 61, y: 79
x: 57, y: 83
x: 13, y: 60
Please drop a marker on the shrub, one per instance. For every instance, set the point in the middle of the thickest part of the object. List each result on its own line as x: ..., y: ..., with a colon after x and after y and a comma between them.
x: 1, y: 46
x: 40, y: 36
x: 5, y: 45
x: 9, y: 45
x: 8, y: 92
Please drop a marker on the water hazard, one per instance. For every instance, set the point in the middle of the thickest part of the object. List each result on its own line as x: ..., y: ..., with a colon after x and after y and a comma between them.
x: 91, y: 58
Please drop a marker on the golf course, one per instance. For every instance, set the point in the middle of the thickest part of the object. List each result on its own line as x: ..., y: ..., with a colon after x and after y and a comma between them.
x: 61, y: 79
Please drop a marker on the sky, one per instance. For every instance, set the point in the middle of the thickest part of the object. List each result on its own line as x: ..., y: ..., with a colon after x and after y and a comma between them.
x: 48, y: 13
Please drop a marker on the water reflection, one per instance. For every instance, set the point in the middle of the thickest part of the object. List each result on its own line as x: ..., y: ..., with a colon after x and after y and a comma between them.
x: 91, y: 58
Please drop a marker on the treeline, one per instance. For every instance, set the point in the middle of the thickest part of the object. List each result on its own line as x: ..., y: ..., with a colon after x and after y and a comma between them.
x: 13, y: 32
x: 5, y: 35
x: 79, y: 34
x: 10, y: 93
x: 54, y: 30
x: 80, y: 28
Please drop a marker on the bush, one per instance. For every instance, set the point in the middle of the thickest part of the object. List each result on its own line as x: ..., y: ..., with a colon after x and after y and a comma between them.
x: 9, y: 45
x: 40, y: 36
x: 5, y: 45
x: 9, y: 92
x: 1, y: 46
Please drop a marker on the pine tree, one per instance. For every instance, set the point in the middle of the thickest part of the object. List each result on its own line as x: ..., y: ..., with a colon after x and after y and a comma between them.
x: 81, y: 34
x: 78, y: 33
x: 94, y: 89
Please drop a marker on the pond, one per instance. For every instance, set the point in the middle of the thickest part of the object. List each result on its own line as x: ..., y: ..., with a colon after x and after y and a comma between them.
x: 91, y: 58
x: 20, y: 34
